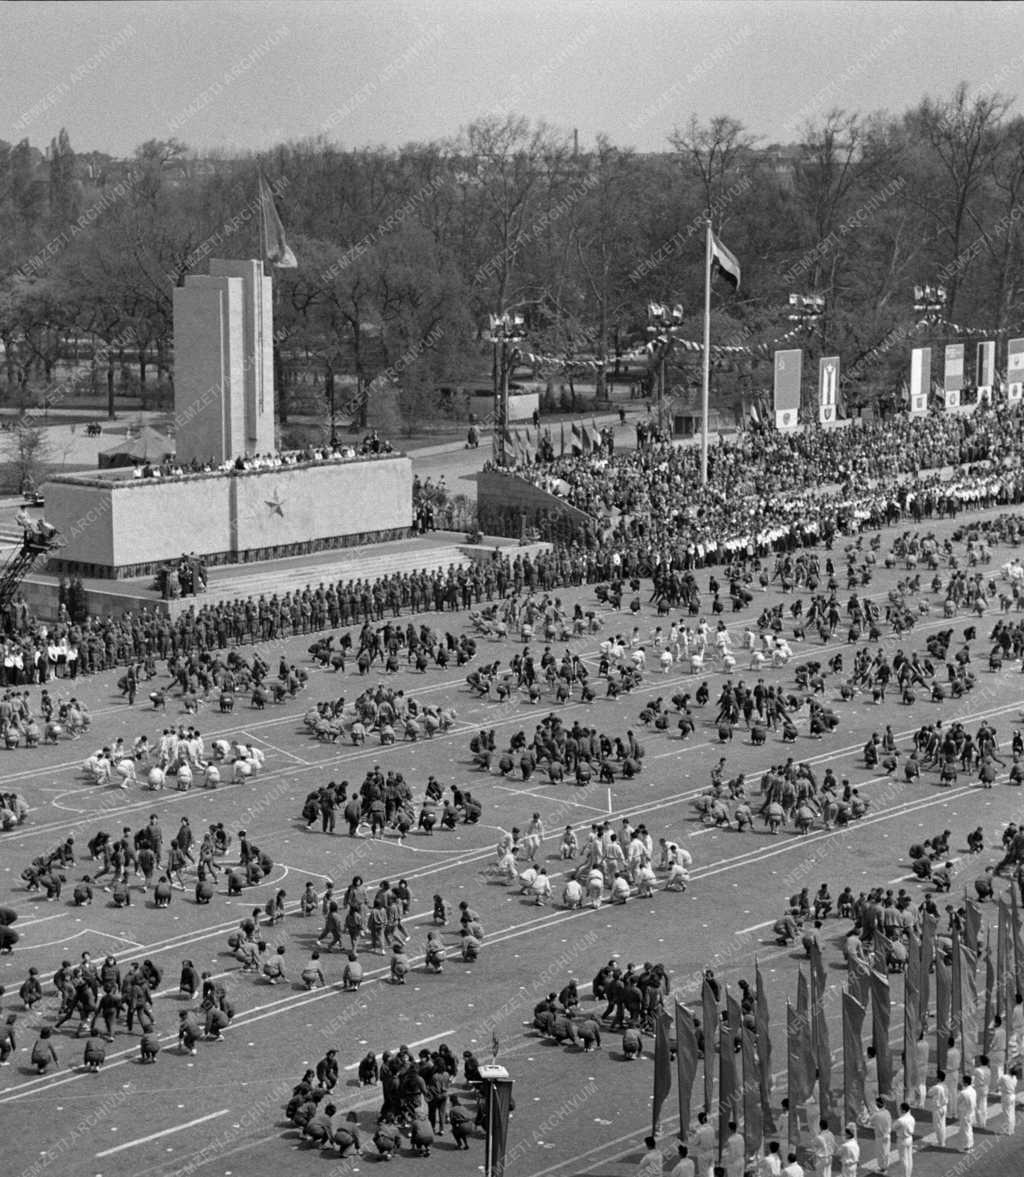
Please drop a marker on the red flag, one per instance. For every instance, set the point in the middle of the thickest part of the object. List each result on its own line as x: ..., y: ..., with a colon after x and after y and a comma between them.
x: 854, y: 1066
x: 965, y: 963
x: 709, y: 1018
x: 799, y: 1067
x: 734, y: 1014
x: 818, y: 973
x: 943, y: 1001
x: 819, y: 1031
x: 728, y: 1088
x: 911, y: 1017
x: 662, y: 1066
x: 764, y: 1050
x: 803, y: 996
x: 1004, y: 967
x: 1018, y: 944
x: 881, y: 1010
x: 753, y: 1122
x: 686, y: 1065
x: 499, y: 1099
x: 972, y: 924
x: 859, y: 980
x: 990, y: 994
x: 928, y: 924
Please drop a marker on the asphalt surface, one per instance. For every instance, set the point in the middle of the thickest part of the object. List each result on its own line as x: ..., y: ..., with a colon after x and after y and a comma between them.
x: 220, y: 1112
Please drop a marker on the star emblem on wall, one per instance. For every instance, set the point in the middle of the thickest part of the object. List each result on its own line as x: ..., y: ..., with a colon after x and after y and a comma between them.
x: 276, y: 504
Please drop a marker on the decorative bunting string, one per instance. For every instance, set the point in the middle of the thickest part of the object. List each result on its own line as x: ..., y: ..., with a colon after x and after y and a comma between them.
x: 761, y: 350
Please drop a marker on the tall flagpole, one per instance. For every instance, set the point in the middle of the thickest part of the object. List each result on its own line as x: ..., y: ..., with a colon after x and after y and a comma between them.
x: 707, y: 361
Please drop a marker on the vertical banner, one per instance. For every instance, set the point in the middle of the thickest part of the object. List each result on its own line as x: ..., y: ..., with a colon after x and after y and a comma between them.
x: 881, y: 1009
x: 1006, y: 985
x: 943, y: 1004
x: 798, y: 1083
x: 499, y: 1107
x: 859, y: 982
x: 753, y: 1123
x: 972, y: 924
x: 728, y: 1088
x: 788, y: 373
x: 734, y: 1016
x: 1018, y: 943
x: 819, y: 1030
x: 953, y: 376
x: 968, y: 1005
x: 686, y: 1066
x: 920, y: 380
x: 854, y: 1067
x: 985, y: 375
x: 956, y: 999
x: 928, y: 925
x: 709, y: 1020
x: 911, y: 1018
x: 662, y: 1066
x: 1015, y: 370
x: 990, y: 996
x: 764, y: 1050
x: 828, y: 389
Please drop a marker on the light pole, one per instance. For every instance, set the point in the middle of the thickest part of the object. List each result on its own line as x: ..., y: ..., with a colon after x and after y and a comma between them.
x: 662, y: 319
x: 930, y: 302
x: 505, y: 329
x: 806, y: 311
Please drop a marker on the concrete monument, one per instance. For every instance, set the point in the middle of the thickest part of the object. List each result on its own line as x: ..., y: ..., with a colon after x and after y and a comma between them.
x: 224, y: 363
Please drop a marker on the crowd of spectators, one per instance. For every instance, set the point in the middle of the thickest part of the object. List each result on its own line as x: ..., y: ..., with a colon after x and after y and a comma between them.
x: 767, y: 488
x: 372, y: 445
x: 766, y: 493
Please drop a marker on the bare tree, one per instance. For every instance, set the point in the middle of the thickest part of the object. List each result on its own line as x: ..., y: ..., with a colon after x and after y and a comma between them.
x: 957, y: 140
x: 713, y: 152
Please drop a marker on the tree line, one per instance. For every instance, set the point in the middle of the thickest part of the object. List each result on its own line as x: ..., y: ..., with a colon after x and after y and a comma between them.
x: 403, y: 253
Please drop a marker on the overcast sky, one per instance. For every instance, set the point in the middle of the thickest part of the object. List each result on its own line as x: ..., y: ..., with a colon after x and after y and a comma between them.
x: 236, y: 74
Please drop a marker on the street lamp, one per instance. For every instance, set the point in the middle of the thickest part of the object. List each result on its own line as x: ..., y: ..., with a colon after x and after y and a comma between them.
x: 662, y: 319
x: 806, y: 309
x: 930, y: 301
x: 505, y: 329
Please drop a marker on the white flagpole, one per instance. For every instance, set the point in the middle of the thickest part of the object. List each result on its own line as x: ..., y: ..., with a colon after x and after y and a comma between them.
x: 707, y: 361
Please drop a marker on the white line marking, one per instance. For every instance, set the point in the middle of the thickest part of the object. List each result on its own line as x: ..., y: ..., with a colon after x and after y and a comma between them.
x: 109, y: 1152
x: 753, y: 928
x: 275, y: 748
x: 41, y: 920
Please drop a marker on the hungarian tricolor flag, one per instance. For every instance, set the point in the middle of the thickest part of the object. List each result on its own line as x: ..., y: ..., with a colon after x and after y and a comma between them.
x: 725, y: 261
x: 275, y: 248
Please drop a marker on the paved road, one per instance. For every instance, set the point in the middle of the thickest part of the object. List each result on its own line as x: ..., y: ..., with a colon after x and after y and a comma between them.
x: 576, y: 1114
